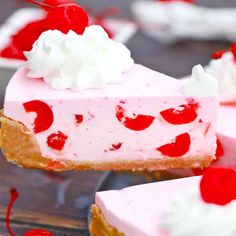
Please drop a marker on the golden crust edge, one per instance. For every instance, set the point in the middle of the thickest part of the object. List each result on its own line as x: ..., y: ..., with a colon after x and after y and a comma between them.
x: 20, y: 147
x: 99, y: 225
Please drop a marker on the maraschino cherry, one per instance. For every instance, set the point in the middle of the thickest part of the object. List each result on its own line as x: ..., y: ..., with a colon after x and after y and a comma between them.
x: 24, y: 39
x: 67, y: 17
x: 218, y: 186
x: 63, y: 17
x: 34, y: 232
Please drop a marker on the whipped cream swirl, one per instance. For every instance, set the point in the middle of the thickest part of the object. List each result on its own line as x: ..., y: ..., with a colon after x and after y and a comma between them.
x: 224, y: 70
x: 73, y: 61
x: 190, y: 215
x: 200, y: 83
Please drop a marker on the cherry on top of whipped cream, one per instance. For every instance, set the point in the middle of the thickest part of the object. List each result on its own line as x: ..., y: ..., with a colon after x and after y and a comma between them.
x: 35, y: 232
x: 63, y: 17
x: 67, y: 17
x: 218, y: 54
x: 218, y: 186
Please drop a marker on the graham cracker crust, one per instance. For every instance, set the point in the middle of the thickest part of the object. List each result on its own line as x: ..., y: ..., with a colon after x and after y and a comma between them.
x: 99, y: 225
x: 20, y: 147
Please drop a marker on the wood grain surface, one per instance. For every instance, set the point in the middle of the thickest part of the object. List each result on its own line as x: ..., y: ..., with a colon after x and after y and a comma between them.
x: 59, y: 202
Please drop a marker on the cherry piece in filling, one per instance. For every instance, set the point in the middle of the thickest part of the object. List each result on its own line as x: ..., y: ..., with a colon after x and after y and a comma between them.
x: 178, y: 148
x: 186, y: 114
x: 140, y: 122
x: 115, y: 147
x: 67, y: 17
x: 79, y: 119
x: 57, y: 140
x: 218, y: 186
x: 44, y: 118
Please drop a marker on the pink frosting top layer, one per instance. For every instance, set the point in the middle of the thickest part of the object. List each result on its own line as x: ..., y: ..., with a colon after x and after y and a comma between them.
x: 138, y: 210
x: 138, y: 78
x: 143, y: 91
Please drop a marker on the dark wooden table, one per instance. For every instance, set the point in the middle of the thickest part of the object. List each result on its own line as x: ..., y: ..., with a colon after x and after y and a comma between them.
x: 59, y: 202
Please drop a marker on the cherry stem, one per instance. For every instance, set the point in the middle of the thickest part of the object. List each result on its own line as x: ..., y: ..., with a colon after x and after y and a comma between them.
x: 14, y: 196
x: 40, y: 4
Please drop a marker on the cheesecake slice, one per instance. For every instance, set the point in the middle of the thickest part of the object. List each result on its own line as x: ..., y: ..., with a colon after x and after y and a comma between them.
x: 141, y: 120
x: 189, y: 206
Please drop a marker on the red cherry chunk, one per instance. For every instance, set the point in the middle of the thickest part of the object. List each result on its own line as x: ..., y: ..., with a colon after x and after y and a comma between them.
x: 44, y: 118
x: 68, y: 17
x: 115, y: 147
x: 177, y: 148
x: 218, y: 186
x: 57, y: 140
x: 79, y: 119
x: 186, y: 114
x: 140, y: 122
x: 38, y: 232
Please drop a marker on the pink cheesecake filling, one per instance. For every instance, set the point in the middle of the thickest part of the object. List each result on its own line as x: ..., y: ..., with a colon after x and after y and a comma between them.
x: 139, y: 210
x: 226, y: 133
x: 132, y: 120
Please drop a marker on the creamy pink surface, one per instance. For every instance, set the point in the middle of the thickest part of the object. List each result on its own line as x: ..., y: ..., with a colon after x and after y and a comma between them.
x: 138, y: 210
x: 143, y: 91
x: 226, y: 133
